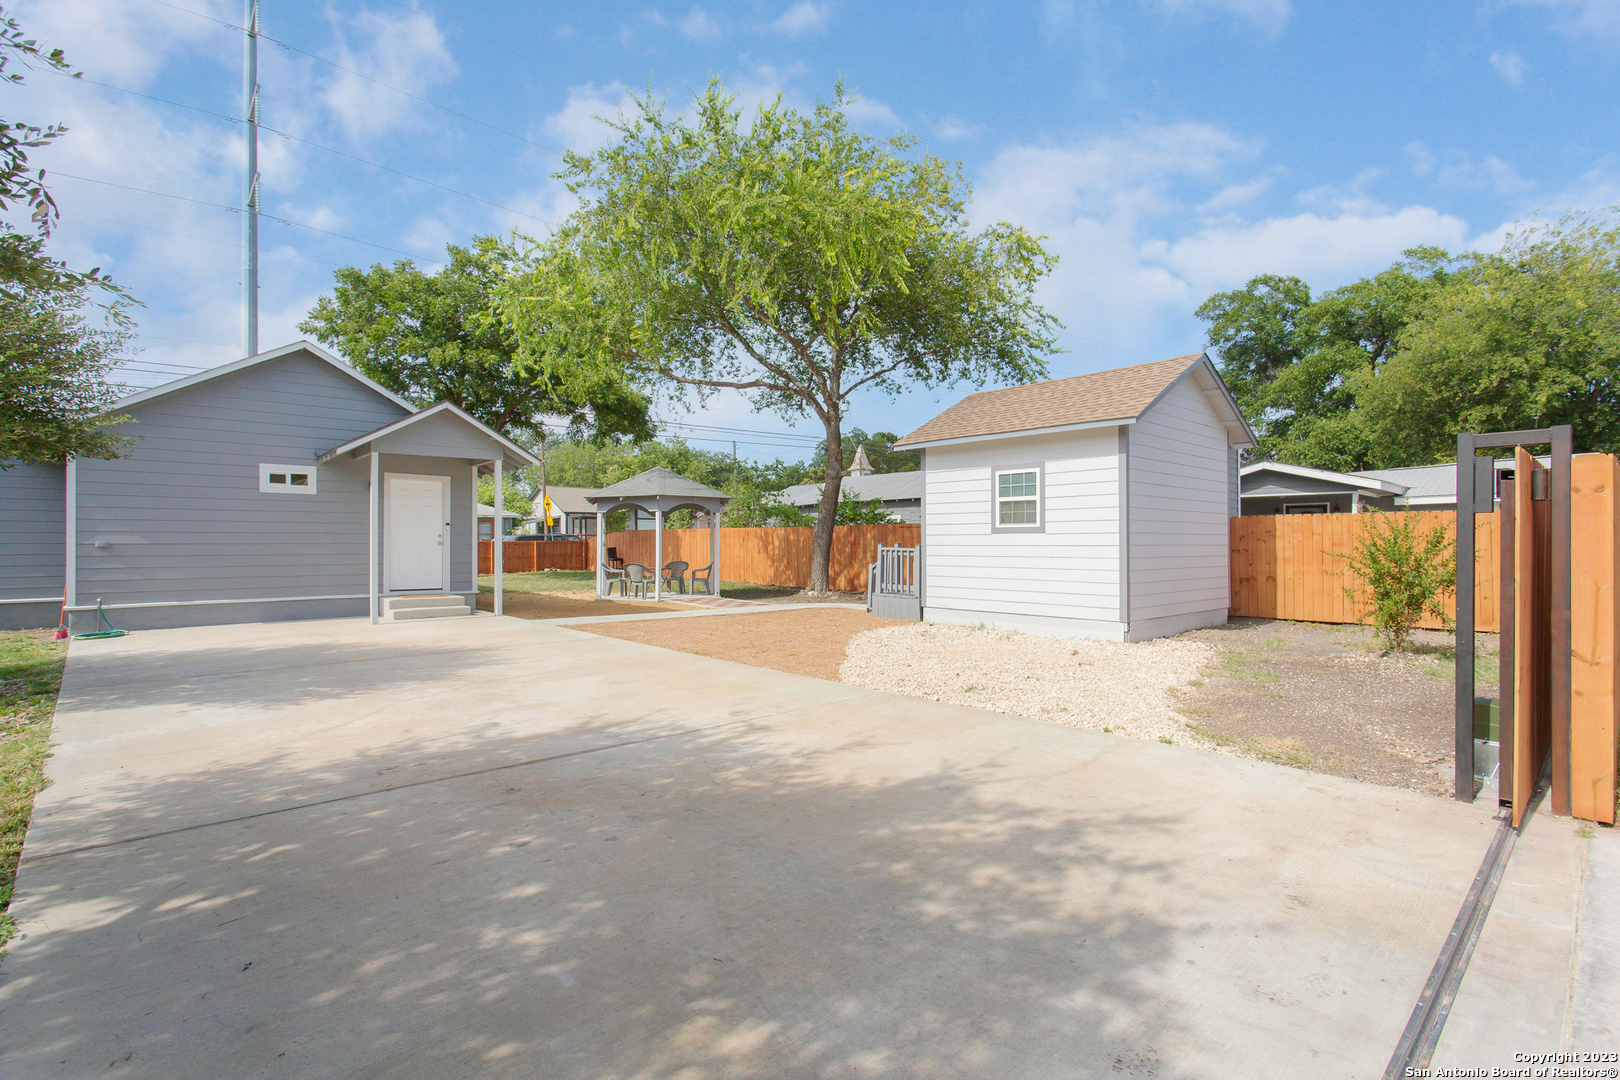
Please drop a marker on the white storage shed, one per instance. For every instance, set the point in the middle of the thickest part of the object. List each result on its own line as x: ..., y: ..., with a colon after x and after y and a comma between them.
x: 1094, y: 506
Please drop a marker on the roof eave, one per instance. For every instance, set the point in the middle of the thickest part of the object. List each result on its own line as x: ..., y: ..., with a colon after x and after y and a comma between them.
x: 1025, y: 433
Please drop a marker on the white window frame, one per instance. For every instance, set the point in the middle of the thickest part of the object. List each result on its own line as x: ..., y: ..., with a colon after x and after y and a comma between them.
x: 287, y: 487
x: 1039, y: 524
x: 1307, y: 508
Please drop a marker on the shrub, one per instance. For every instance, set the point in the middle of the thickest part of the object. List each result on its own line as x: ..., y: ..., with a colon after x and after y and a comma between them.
x: 1404, y: 575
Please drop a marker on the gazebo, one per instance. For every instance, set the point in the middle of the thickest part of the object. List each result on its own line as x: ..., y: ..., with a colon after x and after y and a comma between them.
x: 659, y: 491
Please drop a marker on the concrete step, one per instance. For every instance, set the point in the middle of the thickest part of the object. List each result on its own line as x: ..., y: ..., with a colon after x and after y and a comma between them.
x: 429, y: 613
x: 402, y: 608
x: 400, y: 603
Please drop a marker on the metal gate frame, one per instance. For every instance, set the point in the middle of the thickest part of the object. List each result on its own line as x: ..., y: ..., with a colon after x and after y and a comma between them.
x: 1476, y: 480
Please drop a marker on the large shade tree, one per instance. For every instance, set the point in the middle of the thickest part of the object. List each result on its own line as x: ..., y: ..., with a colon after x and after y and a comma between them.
x: 55, y: 395
x: 436, y: 336
x: 789, y: 258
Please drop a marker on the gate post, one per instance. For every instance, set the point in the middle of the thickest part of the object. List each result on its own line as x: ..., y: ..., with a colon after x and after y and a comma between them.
x: 1464, y: 757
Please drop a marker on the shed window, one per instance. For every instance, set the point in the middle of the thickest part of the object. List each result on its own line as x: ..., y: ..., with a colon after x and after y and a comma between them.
x: 1306, y: 508
x: 1018, y: 499
x: 287, y: 479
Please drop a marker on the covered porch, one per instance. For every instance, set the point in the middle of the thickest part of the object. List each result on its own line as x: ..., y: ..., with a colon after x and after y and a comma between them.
x: 422, y: 551
x: 659, y: 492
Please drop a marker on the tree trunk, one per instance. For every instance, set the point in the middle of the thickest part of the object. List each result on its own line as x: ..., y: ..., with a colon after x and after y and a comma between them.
x: 827, y: 515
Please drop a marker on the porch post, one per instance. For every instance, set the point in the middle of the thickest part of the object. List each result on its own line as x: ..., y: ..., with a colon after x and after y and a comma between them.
x: 601, y: 553
x: 714, y: 553
x: 497, y: 549
x: 658, y: 554
x: 70, y: 553
x: 371, y: 537
x: 472, y: 531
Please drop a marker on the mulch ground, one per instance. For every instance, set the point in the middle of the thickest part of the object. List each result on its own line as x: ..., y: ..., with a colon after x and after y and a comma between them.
x: 566, y: 606
x: 798, y: 642
x: 1326, y: 698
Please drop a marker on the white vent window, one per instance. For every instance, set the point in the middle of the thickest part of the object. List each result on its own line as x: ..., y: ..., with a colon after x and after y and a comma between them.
x: 287, y: 479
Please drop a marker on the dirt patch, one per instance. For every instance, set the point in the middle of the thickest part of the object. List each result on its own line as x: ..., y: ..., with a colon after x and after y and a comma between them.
x: 550, y: 605
x: 1325, y: 698
x: 809, y: 642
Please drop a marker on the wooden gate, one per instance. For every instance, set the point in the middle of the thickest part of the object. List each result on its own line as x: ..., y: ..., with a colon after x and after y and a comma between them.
x: 1576, y: 744
x: 896, y: 584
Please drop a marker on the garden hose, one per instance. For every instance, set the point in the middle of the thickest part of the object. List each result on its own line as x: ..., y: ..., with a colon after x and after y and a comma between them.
x: 110, y: 632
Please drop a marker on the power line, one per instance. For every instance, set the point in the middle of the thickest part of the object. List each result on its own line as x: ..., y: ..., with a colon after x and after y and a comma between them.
x: 238, y: 210
x: 740, y: 431
x: 318, y: 146
x: 368, y: 78
x: 204, y: 239
x: 185, y: 341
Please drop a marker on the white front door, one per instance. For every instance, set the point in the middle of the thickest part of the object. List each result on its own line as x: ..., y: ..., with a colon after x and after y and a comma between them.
x: 416, y: 535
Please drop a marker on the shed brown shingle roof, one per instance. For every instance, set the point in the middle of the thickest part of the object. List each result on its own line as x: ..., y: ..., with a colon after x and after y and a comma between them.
x: 1121, y: 394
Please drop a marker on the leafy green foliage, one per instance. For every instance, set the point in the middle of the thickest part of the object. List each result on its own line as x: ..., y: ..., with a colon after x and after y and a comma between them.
x: 515, y: 500
x: 793, y: 260
x: 853, y: 511
x: 1386, y: 371
x: 1405, y: 573
x: 437, y: 337
x: 880, y: 452
x: 30, y: 674
x: 1525, y: 338
x: 55, y: 399
x: 1293, y: 362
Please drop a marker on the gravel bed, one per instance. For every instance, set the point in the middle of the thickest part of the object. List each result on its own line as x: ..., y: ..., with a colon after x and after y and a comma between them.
x: 1103, y: 685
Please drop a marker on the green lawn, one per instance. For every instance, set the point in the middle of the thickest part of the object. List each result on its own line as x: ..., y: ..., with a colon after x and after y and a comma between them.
x: 578, y: 581
x: 30, y: 675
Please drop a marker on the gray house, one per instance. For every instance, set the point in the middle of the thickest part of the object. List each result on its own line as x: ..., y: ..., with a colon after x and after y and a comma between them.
x: 901, y: 494
x: 1271, y: 487
x: 286, y: 485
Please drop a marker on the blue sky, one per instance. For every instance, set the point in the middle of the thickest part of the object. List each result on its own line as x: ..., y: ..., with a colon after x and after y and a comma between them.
x: 1168, y: 148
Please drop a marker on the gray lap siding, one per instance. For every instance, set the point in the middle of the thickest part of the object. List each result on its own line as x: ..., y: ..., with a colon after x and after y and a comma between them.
x: 32, y: 544
x: 182, y: 517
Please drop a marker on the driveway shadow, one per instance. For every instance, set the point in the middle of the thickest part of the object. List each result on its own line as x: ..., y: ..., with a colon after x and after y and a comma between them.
x: 700, y: 906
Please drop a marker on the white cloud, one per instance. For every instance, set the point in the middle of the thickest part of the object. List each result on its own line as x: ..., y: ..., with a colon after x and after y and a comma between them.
x: 407, y: 51
x: 699, y: 25
x: 865, y: 110
x: 1234, y: 195
x: 1581, y: 18
x: 1270, y: 15
x: 1124, y: 212
x: 949, y: 127
x: 1456, y: 170
x: 579, y: 124
x: 803, y: 18
x: 1309, y: 245
x: 1509, y: 65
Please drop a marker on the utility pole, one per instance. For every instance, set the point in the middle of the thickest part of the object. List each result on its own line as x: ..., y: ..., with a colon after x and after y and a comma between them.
x: 250, y: 179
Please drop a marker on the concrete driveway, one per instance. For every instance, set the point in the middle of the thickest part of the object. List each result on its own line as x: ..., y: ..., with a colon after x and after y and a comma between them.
x: 499, y: 848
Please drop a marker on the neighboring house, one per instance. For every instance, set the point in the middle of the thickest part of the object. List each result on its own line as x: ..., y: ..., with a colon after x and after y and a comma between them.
x: 1271, y: 487
x: 286, y: 485
x: 572, y: 513
x: 1095, y: 506
x: 486, y: 521
x: 901, y: 493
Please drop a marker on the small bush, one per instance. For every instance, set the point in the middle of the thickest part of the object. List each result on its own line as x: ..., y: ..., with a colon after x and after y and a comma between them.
x: 1404, y: 575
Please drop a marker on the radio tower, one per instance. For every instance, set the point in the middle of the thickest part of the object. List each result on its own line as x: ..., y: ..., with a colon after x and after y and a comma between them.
x: 250, y: 180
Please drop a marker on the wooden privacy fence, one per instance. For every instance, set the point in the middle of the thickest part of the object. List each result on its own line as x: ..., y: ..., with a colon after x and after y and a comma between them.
x: 779, y: 556
x: 1289, y: 566
x: 527, y: 556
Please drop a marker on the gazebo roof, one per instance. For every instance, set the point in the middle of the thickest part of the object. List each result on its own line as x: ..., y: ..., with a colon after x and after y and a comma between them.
x: 657, y: 482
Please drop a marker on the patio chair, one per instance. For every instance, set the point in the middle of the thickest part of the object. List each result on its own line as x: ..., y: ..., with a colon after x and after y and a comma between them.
x: 635, y: 577
x: 613, y: 560
x: 704, y: 577
x: 675, y: 574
